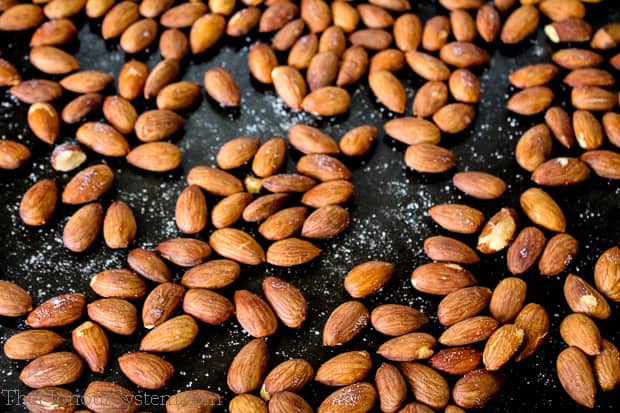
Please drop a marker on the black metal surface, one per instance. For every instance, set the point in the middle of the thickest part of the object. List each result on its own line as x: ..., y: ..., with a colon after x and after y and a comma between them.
x: 389, y: 220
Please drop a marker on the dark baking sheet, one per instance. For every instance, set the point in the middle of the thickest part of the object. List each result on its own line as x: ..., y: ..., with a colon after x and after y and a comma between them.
x: 389, y: 220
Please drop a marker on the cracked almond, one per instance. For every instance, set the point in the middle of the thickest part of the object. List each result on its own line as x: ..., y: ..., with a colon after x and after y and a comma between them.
x: 498, y: 232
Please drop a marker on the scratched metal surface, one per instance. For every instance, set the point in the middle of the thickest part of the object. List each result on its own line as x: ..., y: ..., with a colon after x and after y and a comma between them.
x: 389, y: 220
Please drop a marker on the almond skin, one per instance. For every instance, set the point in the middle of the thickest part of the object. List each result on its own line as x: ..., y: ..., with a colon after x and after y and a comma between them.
x: 426, y: 384
x: 429, y: 158
x: 291, y: 251
x: 607, y: 273
x: 520, y: 24
x: 534, y: 146
x: 534, y: 321
x: 119, y: 225
x: 291, y: 375
x: 116, y: 315
x: 148, y: 265
x: 368, y: 277
x: 54, y: 369
x: 161, y: 303
x: 480, y: 185
x: 286, y: 300
x: 476, y: 388
x: 88, y: 185
x: 498, y: 232
x: 237, y: 245
x: 118, y: 283
x: 39, y: 202
x: 174, y: 334
x: 83, y: 227
x: 469, y: 331
x: 462, y: 304
x: 147, y: 371
x: 457, y: 218
x: 344, y: 323
x: 214, y: 181
x: 456, y: 360
x: 582, y: 297
x: 396, y: 319
x: 530, y: 101
x: 441, y: 248
x: 360, y: 397
x: 31, y: 344
x: 441, y: 278
x: 185, y: 252
x: 576, y: 376
x: 248, y: 368
x: 50, y: 399
x: 525, y: 250
x: 408, y: 347
x: 580, y: 331
x: 116, y: 394
x: 344, y: 369
x: 558, y: 254
x: 561, y: 172
x: 91, y: 343
x: 191, y: 210
x: 541, y: 209
x: 391, y: 387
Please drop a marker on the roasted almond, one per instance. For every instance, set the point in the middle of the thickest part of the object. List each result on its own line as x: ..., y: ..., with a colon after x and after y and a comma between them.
x: 183, y: 15
x: 323, y: 167
x: 501, y: 346
x: 560, y: 9
x: 469, y: 331
x: 254, y: 314
x: 407, y: 32
x: 463, y: 54
x: 440, y: 248
x: 237, y: 152
x: 83, y: 227
x: 582, y: 297
x: 116, y: 315
x: 132, y: 78
x: 174, y: 334
x: 91, y: 343
x: 388, y: 90
x: 458, y: 218
x: 593, y: 98
x: 479, y: 185
x: 139, y: 35
x: 344, y: 323
x: 408, y: 347
x: 534, y: 321
x: 207, y: 306
x: 558, y: 254
x: 568, y: 30
x: 286, y: 300
x: 88, y: 185
x: 148, y: 265
x: 30, y: 344
x: 269, y: 157
x: 525, y: 250
x: 87, y: 81
x: 118, y: 283
x: 372, y: 39
x: 173, y: 44
x: 229, y: 210
x: 289, y: 85
x: 44, y: 122
x: 327, y: 101
x: 119, y: 225
x: 286, y: 37
x: 20, y: 17
x: 456, y: 360
x: 429, y: 158
x: 344, y: 16
x: 145, y: 370
x: 291, y: 251
x: 243, y: 22
x: 50, y: 399
x: 462, y: 304
x: 607, y: 37
x: 358, y: 141
x: 604, y: 163
x: 607, y: 273
x: 441, y: 278
x: 464, y: 86
x: 155, y: 156
x: 117, y: 396
x: 488, y: 22
x: 426, y: 66
x: 12, y: 154
x: 247, y: 403
x: 193, y: 399
x: 391, y: 387
x: 289, y: 376
x: 431, y: 97
x: 396, y: 319
x: 119, y: 18
x: 206, y: 31
x: 436, y: 32
x: 36, y: 90
x: 534, y: 146
x: 412, y: 130
x: 454, y: 117
x: 191, y: 210
x: 531, y: 101
x: 322, y: 70
x: 344, y: 369
x: 353, y: 66
x: 53, y: 369
x: 277, y: 15
x: 303, y: 51
x: 214, y: 181
x: 261, y: 62
x: 103, y: 139
x: 53, y: 61
x: 426, y: 384
x: 585, y: 77
x: 361, y: 397
x: 578, y: 330
x: 498, y: 232
x: 541, y: 209
x: 164, y: 73
x: 9, y: 76
x: 178, y: 96
x: 185, y: 252
x: 368, y: 277
x: 607, y: 366
x: 161, y: 302
x: 237, y: 245
x: 80, y: 107
x: 308, y: 139
x: 533, y: 75
x: 375, y: 17
x: 222, y: 87
x: 576, y: 58
x: 561, y: 172
x: 520, y: 24
x: 576, y: 376
x: 38, y: 203
x: 476, y: 388
x: 326, y: 222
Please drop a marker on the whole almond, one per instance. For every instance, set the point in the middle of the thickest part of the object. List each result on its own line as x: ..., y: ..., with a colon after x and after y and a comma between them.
x: 174, y: 334
x: 53, y: 369
x: 117, y: 396
x: 119, y: 225
x: 372, y: 39
x: 83, y: 227
x: 396, y: 319
x: 461, y: 4
x: 214, y: 181
x: 607, y: 365
x: 533, y: 75
x: 607, y: 273
x: 488, y: 22
x: 358, y: 141
x: 525, y: 250
x: 148, y: 265
x: 408, y: 347
x: 50, y: 399
x: 429, y: 158
x: 237, y: 245
x: 543, y: 210
x: 375, y: 17
x: 44, y: 122
x: 261, y: 62
x: 605, y: 38
x: 578, y: 330
x: 480, y: 185
x: 464, y: 86
x: 222, y: 87
x: 119, y: 18
x: 427, y: 385
x: 498, y: 232
x: 86, y: 81
x: 561, y: 172
x: 303, y: 50
x: 91, y: 343
x: 407, y: 32
x: 576, y: 58
x: 426, y: 66
x: 561, y: 10
x: 353, y: 66
x: 161, y: 303
x: 237, y: 152
x: 436, y: 32
x: 582, y: 297
x: 366, y: 278
x: 534, y: 147
x: 147, y: 371
x: 254, y: 314
x: 322, y: 70
x: 388, y: 90
x: 560, y: 250
x: 132, y: 78
x: 593, y: 98
x: 247, y: 403
x: 327, y: 101
x: 248, y: 368
x: 139, y: 35
x: 393, y: 5
x: 441, y: 278
x: 604, y: 163
x: 291, y: 251
x: 103, y: 139
x: 463, y: 54
x: 191, y: 210
x: 269, y: 157
x: 520, y: 24
x: 173, y: 44
x: 531, y: 101
x: 185, y: 252
x: 207, y: 306
x: 344, y: 369
x: 576, y: 376
x: 501, y: 346
x: 67, y: 157
x: 88, y: 185
x: 458, y: 218
x: 190, y: 400
x: 391, y: 387
x: 53, y: 61
x: 243, y: 22
x: 116, y: 315
x: 328, y: 193
x: 454, y: 117
x: 440, y: 248
x: 80, y: 107
x: 469, y: 331
x: 456, y: 360
x: 30, y: 344
x: 290, y: 375
x: 412, y: 130
x: 183, y: 15
x: 36, y: 90
x: 344, y: 15
x: 326, y: 222
x: 431, y: 97
x: 288, y: 183
x: 206, y: 31
x: 9, y: 76
x: 534, y: 321
x: 286, y: 37
x: 164, y: 73
x: 308, y: 139
x: 277, y: 15
x: 229, y: 210
x: 38, y: 203
x: 286, y: 300
x: 589, y: 77
x: 178, y: 96
x: 360, y: 397
x: 476, y: 388
x: 344, y: 323
x: 155, y: 156
x: 12, y: 154
x: 118, y: 283
x: 323, y: 167
x: 462, y: 304
x: 21, y: 17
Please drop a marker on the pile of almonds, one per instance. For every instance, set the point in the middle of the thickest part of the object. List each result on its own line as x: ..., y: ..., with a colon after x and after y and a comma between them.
x: 327, y: 47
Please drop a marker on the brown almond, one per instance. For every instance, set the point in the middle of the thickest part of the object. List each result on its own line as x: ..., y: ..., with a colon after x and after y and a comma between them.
x: 426, y: 66
x: 261, y: 62
x: 308, y: 139
x: 91, y: 343
x: 193, y: 399
x: 353, y: 65
x: 53, y: 61
x: 286, y: 401
x: 407, y: 32
x: 427, y: 385
x: 469, y: 331
x: 118, y: 283
x: 462, y: 304
x: 119, y: 225
x: 9, y: 76
x: 36, y: 90
x: 173, y: 44
x: 327, y: 101
x: 303, y: 50
x: 479, y: 185
x: 525, y: 250
x: 277, y: 15
x: 456, y: 360
x: 326, y: 222
x: 488, y: 22
x: 542, y: 210
x: 264, y: 206
x: 38, y: 203
x: 83, y: 227
x: 183, y: 15
x: 372, y: 39
x: 436, y: 32
x: 132, y: 78
x: 534, y: 147
x: 560, y: 124
x: 269, y: 157
x: 164, y: 73
x: 344, y: 15
x: 408, y: 347
x: 344, y: 323
x: 358, y: 141
x: 454, y: 117
x: 286, y: 37
x: 31, y: 344
x: 388, y: 90
x: 458, y: 218
x: 21, y: 17
x: 463, y: 54
x: 54, y: 369
x: 114, y: 314
x: 103, y: 139
x: 396, y: 319
x: 344, y: 369
x: 520, y: 24
x: 237, y: 152
x: 576, y: 376
x: 607, y: 366
x: 582, y: 297
x: 214, y: 181
x: 533, y: 75
x: 367, y: 278
x: 375, y: 17
x: 229, y: 210
x: 148, y: 265
x: 191, y: 210
x: 561, y: 172
x: 206, y: 31
x: 576, y: 58
x: 431, y: 97
x: 117, y: 395
x: 119, y: 18
x: 291, y: 251
x: 461, y: 4
x: 178, y: 96
x: 607, y: 273
x: 440, y: 248
x: 531, y: 101
x: 155, y: 156
x: 360, y: 397
x: 138, y: 36
x: 568, y: 30
x: 222, y: 87
x: 247, y: 403
x: 88, y: 185
x: 412, y: 130
x: 607, y: 37
x: 207, y: 306
x: 44, y: 122
x: 286, y: 300
x: 50, y: 399
x: 290, y: 86
x: 534, y: 321
x: 322, y: 70
x: 185, y: 252
x: 578, y: 330
x: 429, y: 158
x: 145, y: 370
x: 611, y: 123
x: 391, y: 387
x: 161, y: 303
x: 393, y: 5
x: 174, y: 334
x: 558, y: 10
x: 476, y: 388
x: 328, y: 193
x: 498, y: 232
x: 593, y: 98
x: 289, y: 376
x: 464, y: 86
x: 323, y: 167
x: 80, y: 107
x: 585, y: 77
x: 254, y: 314
x: 86, y: 81
x: 558, y: 254
x: 243, y: 22
x: 501, y: 346
x: 441, y: 278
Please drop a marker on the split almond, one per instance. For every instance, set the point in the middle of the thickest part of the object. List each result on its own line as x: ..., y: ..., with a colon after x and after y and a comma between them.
x: 498, y: 232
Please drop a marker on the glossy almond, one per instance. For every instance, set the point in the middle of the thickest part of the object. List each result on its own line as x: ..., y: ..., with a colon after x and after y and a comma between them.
x: 501, y: 346
x: 454, y: 117
x: 607, y: 273
x: 531, y: 101
x: 173, y: 44
x: 118, y: 283
x: 412, y: 130
x: 604, y: 163
x: 114, y: 314
x: 119, y: 18
x: 431, y: 97
x: 543, y: 210
x: 81, y: 107
x: 54, y: 369
x: 161, y: 303
x: 291, y: 251
x: 261, y: 62
x: 582, y: 297
x: 254, y: 314
x: 229, y: 210
x: 388, y: 90
x: 561, y: 172
x: 441, y: 278
x: 396, y: 319
x: 222, y: 87
x: 533, y: 75
x: 277, y: 15
x: 269, y: 157
x: 326, y: 222
x: 469, y: 331
x: 558, y: 254
x: 426, y: 384
x: 38, y: 203
x: 429, y: 158
x: 247, y: 403
x: 525, y: 250
x: 458, y: 218
x: 207, y: 306
x: 408, y: 347
x: 183, y: 15
x: 303, y: 51
x: 360, y: 397
x: 88, y: 185
x: 576, y: 58
x: 12, y: 154
x: 139, y: 35
x: 147, y: 371
x: 91, y: 343
x: 237, y: 152
x: 191, y: 210
x: 237, y: 245
x: 174, y: 334
x: 344, y: 369
x: 205, y: 32
x: 368, y: 277
x: 440, y: 248
x: 53, y: 61
x: 327, y: 101
x: 520, y: 24
x: 290, y: 85
x: 480, y: 185
x: 214, y: 181
x: 534, y: 147
x: 131, y: 79
x: 44, y: 122
x: 456, y: 360
x: 344, y: 323
x: 464, y: 86
x: 463, y: 54
x: 289, y: 376
x: 323, y: 167
x: 286, y: 300
x: 118, y: 395
x: 589, y: 77
x: 30, y: 344
x: 119, y: 225
x: 578, y: 330
x: 164, y: 73
x: 185, y: 252
x: 534, y: 321
x: 576, y: 376
x: 322, y: 70
x: 83, y: 227
x: 243, y: 22
x: 476, y: 388
x: 148, y: 265
x: 286, y: 37
x: 391, y: 387
x: 178, y: 96
x: 358, y: 141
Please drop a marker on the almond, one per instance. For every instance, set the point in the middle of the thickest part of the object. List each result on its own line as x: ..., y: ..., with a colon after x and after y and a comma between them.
x: 520, y: 24
x: 358, y: 141
x: 286, y: 300
x: 191, y: 210
x: 375, y: 17
x: 270, y: 157
x: 80, y: 107
x: 525, y: 250
x: 561, y: 172
x: 116, y: 315
x: 183, y: 15
x: 323, y: 167
x: 21, y: 17
x: 173, y: 44
x: 464, y: 86
x: 103, y: 139
x: 344, y: 323
x: 412, y: 130
x: 132, y: 78
x: 237, y: 245
x: 501, y: 346
x: 427, y: 385
x: 36, y: 90
x: 543, y: 210
x: 44, y: 122
x: 358, y: 398
x: 322, y: 70
x: 243, y: 22
x: 277, y: 15
x: 463, y: 54
x: 488, y: 22
x: 388, y: 90
x: 391, y: 387
x: 207, y: 306
x: 164, y: 73
x: 326, y: 222
x: 568, y: 30
x: 584, y: 298
x: 327, y: 101
x: 119, y: 18
x: 607, y: 273
x: 248, y: 368
x: 558, y: 254
x: 580, y: 331
x: 429, y: 158
x: 286, y: 37
x: 12, y: 154
x: 237, y: 152
x: 368, y: 277
x: 190, y: 400
x: 344, y: 369
x: 291, y: 251
x: 67, y: 157
x: 576, y: 376
x: 118, y: 283
x: 407, y: 32
x: 607, y: 37
x: 222, y: 87
x: 289, y: 376
x: 83, y: 227
x: 174, y: 334
x: 344, y: 16
x: 87, y: 81
x: 119, y: 225
x: 117, y: 396
x: 585, y: 77
x: 91, y: 343
x: 593, y: 98
x: 50, y: 399
x: 396, y: 319
x: 353, y: 66
x: 558, y: 10
x: 498, y: 232
x: 254, y: 314
x: 161, y: 303
x: 534, y: 75
x: 458, y: 218
x: 441, y: 278
x: 185, y: 252
x: 431, y: 97
x: 54, y: 369
x: 139, y: 35
x: 88, y: 185
x: 393, y: 5
x: 308, y: 140
x: 288, y: 183
x: 531, y: 101
x: 479, y: 185
x: 38, y: 203
x: 534, y: 146
x: 436, y: 33
x: 408, y: 347
x: 454, y: 117
x: 372, y: 39
x: 147, y: 371
x: 261, y: 62
x: 229, y: 210
x: 148, y: 265
x: 440, y: 248
x: 462, y: 304
x: 456, y: 360
x: 53, y: 61
x: 214, y: 181
x: 302, y: 52
x: 560, y: 124
x: 469, y: 331
x: 334, y: 40
x: 611, y: 123
x: 476, y: 388
x: 155, y: 156
x: 426, y: 66
x: 534, y: 321
x: 206, y: 31
x: 9, y: 76
x: 607, y: 365
x: 460, y: 4
x: 31, y: 344
x: 328, y: 193
x: 178, y: 96
x: 576, y: 58
x: 247, y: 403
